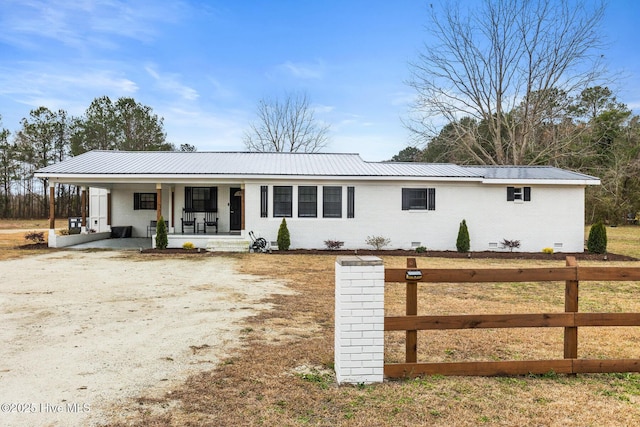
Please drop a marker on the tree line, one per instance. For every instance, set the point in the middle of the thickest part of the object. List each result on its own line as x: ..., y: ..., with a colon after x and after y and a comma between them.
x: 46, y: 137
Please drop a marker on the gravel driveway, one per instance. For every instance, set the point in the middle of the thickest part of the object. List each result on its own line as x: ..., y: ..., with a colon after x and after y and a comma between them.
x: 84, y: 332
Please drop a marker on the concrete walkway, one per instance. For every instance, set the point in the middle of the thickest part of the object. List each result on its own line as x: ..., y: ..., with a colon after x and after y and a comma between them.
x: 125, y: 244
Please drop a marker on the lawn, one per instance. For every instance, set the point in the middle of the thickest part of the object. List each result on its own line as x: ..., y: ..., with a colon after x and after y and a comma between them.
x: 283, y: 374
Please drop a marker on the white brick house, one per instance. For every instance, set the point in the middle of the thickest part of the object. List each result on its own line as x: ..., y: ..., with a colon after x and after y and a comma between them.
x: 330, y: 197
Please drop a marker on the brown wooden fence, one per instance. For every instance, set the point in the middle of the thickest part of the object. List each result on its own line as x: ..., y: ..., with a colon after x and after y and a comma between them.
x: 570, y: 320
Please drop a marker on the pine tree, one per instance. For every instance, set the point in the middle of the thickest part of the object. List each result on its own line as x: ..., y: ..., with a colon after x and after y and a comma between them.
x: 284, y: 239
x: 597, y: 242
x: 463, y: 244
x: 161, y: 235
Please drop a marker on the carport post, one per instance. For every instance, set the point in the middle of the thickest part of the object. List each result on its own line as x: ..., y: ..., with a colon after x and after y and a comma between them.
x: 359, y: 320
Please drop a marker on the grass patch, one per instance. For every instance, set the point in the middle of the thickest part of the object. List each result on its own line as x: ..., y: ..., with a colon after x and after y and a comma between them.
x: 265, y: 384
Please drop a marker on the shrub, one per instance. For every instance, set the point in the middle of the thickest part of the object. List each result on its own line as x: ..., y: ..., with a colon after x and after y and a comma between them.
x: 333, y: 244
x: 463, y: 244
x: 188, y: 245
x: 161, y: 234
x: 284, y: 238
x: 35, y: 236
x: 511, y: 244
x: 378, y: 242
x: 597, y: 241
x: 421, y: 249
x: 547, y: 250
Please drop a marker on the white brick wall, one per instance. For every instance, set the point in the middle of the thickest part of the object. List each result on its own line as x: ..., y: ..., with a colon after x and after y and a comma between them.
x: 359, y: 320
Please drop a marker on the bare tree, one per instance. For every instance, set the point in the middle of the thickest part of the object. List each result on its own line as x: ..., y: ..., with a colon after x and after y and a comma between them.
x: 287, y: 125
x: 500, y: 65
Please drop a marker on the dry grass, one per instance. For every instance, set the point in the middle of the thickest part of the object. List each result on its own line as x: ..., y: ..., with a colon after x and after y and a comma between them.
x: 283, y: 376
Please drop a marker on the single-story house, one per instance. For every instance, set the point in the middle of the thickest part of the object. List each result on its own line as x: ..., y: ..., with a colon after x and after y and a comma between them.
x: 323, y: 197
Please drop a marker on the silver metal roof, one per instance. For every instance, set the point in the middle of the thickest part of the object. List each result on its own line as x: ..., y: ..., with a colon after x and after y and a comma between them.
x: 185, y: 164
x: 241, y: 163
x: 528, y: 173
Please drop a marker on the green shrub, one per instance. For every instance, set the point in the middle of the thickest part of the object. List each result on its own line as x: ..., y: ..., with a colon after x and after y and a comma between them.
x: 421, y: 249
x: 284, y: 239
x: 463, y: 244
x: 597, y: 241
x: 161, y: 235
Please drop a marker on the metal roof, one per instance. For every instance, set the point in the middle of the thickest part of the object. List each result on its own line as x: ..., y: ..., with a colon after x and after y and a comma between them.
x: 247, y: 164
x: 241, y: 163
x: 528, y: 173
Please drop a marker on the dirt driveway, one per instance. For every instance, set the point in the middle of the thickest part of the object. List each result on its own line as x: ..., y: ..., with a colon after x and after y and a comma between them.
x: 83, y: 332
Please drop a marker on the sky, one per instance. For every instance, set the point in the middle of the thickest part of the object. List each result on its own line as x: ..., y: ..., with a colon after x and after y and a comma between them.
x: 204, y: 65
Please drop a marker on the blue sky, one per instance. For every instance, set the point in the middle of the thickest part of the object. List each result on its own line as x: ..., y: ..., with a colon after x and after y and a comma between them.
x: 204, y: 65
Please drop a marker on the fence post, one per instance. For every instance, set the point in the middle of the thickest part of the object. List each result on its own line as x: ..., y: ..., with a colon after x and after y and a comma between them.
x: 411, y: 350
x: 571, y: 306
x: 359, y: 320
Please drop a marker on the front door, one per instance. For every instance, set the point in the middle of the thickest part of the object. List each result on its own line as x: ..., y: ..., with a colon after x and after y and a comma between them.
x: 235, y: 209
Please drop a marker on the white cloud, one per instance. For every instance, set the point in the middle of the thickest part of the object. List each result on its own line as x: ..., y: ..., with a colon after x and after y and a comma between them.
x: 303, y: 71
x: 171, y: 83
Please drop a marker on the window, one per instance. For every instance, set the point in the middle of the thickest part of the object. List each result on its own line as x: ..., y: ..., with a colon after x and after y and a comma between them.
x: 264, y: 201
x: 145, y: 201
x: 418, y: 199
x: 351, y: 202
x: 518, y: 193
x: 282, y: 201
x: 332, y: 202
x: 307, y: 202
x: 201, y: 199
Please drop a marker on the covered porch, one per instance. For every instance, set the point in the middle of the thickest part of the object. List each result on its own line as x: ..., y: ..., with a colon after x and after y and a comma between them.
x: 208, y: 215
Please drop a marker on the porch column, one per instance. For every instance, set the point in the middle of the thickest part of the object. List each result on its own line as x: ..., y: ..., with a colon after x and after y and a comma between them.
x: 83, y: 208
x: 242, y: 209
x: 173, y: 208
x: 52, y: 206
x: 109, y: 207
x: 159, y: 201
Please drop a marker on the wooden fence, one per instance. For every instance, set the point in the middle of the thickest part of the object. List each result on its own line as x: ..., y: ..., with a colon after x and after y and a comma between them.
x: 570, y: 320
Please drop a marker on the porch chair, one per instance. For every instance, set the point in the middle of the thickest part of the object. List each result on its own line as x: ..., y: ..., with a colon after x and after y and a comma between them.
x: 151, y: 228
x: 210, y: 220
x: 188, y: 220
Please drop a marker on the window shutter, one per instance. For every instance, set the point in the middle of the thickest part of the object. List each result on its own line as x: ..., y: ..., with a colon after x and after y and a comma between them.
x: 511, y: 191
x: 527, y: 194
x: 136, y: 201
x: 405, y: 199
x: 188, y: 198
x: 264, y: 201
x: 351, y: 202
x: 431, y: 199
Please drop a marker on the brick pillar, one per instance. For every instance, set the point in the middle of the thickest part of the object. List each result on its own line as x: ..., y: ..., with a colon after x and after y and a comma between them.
x: 359, y: 320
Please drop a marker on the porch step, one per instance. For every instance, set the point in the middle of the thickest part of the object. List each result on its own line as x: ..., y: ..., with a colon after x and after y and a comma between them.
x: 228, y: 245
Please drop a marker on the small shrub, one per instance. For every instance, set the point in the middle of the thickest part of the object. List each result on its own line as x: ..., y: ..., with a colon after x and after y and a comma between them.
x: 511, y: 244
x: 547, y: 250
x: 463, y: 244
x: 35, y: 236
x: 284, y: 238
x: 188, y: 246
x: 421, y: 249
x: 64, y: 232
x: 597, y: 241
x: 378, y: 242
x: 333, y: 244
x: 162, y: 241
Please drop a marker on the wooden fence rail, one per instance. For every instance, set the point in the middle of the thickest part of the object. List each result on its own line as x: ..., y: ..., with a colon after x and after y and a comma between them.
x: 570, y: 320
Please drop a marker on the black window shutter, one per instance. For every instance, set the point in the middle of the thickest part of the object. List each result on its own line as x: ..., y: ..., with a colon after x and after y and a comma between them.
x: 136, y: 201
x: 212, y: 203
x: 405, y: 199
x: 351, y: 202
x: 431, y: 199
x: 511, y: 192
x: 264, y: 201
x: 527, y: 194
x: 188, y: 198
